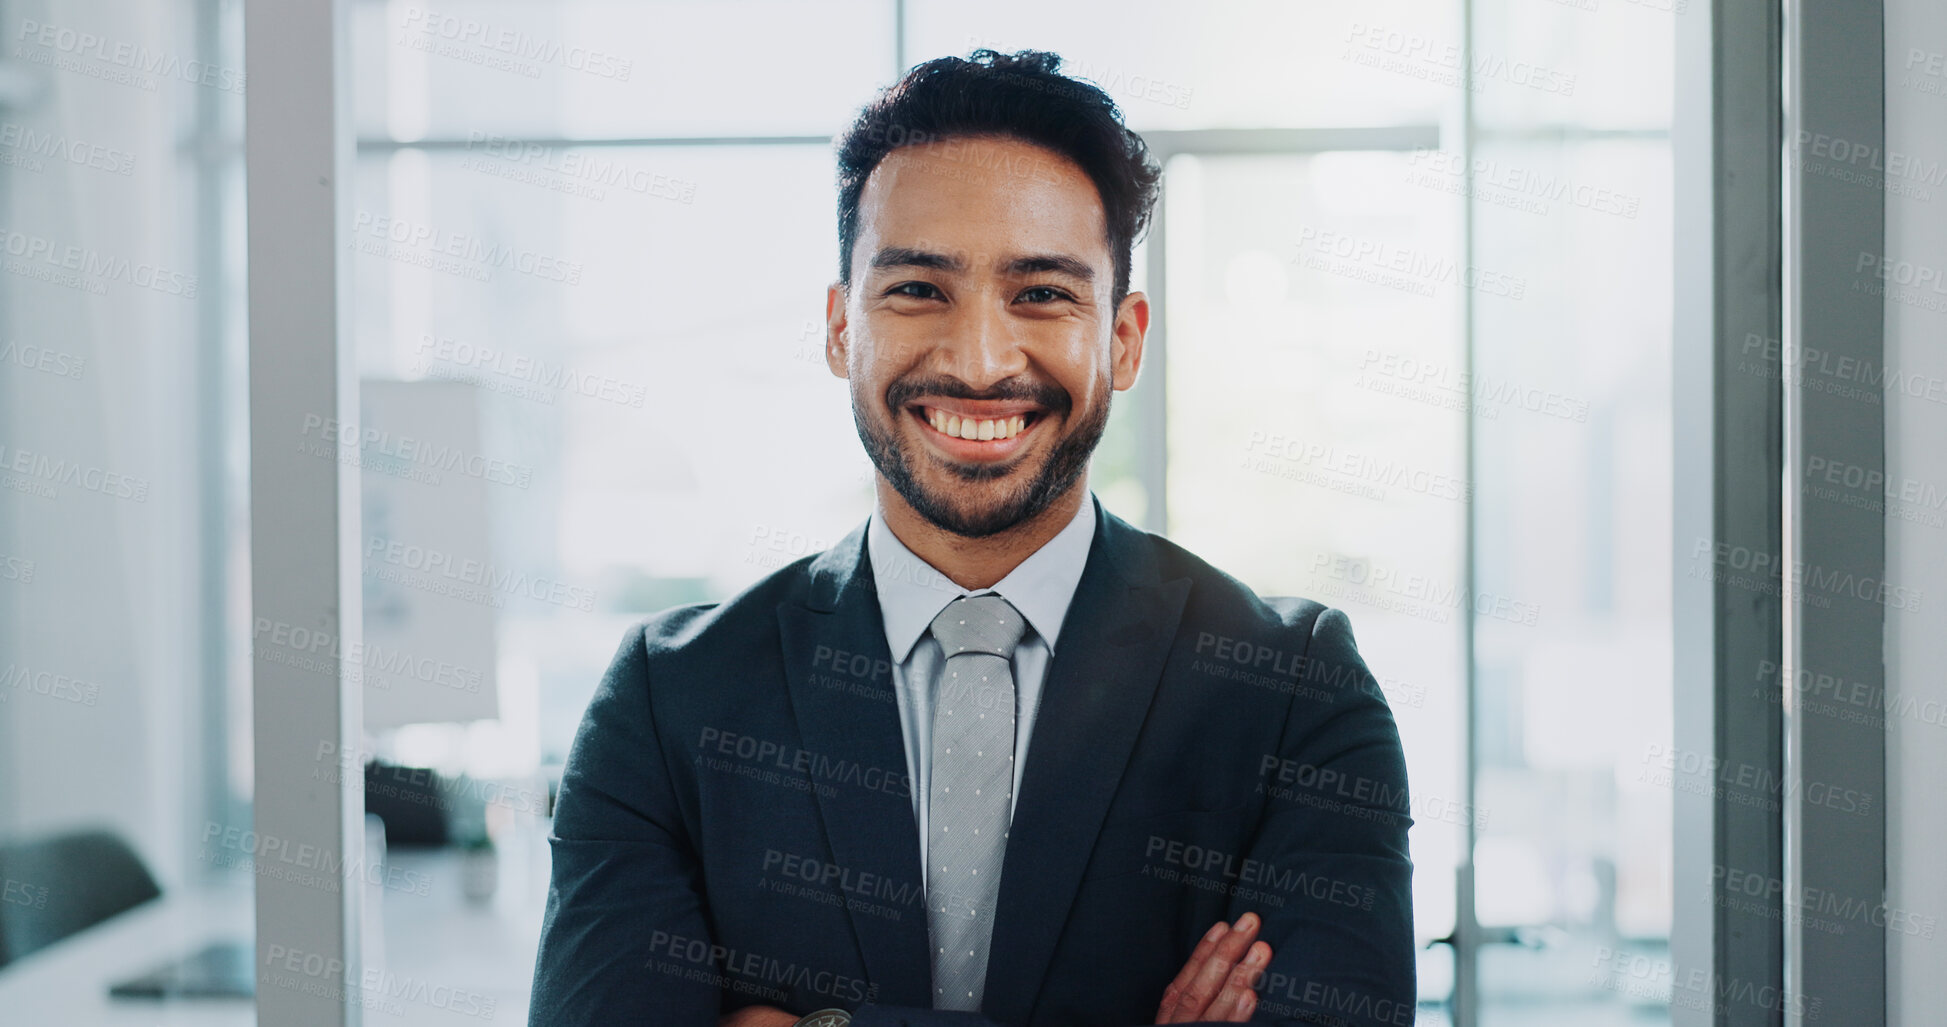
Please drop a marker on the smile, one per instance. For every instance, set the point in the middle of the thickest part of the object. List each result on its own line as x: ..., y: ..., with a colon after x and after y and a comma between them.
x: 976, y: 434
x: 975, y: 428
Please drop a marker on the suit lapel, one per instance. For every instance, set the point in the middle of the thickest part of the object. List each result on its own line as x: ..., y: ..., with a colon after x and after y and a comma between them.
x: 1105, y: 671
x: 1107, y: 664
x: 871, y: 831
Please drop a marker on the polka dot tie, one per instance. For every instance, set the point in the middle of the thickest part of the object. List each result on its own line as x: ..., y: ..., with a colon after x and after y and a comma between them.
x: 969, y: 800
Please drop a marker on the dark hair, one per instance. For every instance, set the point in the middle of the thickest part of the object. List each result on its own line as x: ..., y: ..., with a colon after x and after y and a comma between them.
x: 1018, y: 95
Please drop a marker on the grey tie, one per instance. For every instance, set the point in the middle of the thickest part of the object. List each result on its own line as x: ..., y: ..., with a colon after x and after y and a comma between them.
x: 969, y: 801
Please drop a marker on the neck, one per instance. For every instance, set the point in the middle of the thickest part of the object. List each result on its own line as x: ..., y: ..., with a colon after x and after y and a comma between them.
x: 975, y: 563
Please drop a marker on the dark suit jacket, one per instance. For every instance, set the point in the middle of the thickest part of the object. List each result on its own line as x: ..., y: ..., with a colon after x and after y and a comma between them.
x: 735, y: 823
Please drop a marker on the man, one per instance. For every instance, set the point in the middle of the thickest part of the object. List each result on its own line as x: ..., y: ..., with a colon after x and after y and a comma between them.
x: 997, y: 757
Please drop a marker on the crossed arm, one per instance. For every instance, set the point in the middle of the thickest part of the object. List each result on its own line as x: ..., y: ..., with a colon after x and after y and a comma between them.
x: 1337, y: 813
x: 1215, y: 986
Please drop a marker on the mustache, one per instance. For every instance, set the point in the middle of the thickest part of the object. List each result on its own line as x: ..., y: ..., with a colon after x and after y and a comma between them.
x: 1046, y: 395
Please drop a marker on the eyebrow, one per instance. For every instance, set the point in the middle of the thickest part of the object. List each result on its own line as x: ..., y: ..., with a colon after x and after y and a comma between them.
x: 1057, y: 263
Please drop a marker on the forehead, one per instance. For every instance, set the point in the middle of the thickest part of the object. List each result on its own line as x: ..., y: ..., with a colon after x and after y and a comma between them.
x: 990, y: 195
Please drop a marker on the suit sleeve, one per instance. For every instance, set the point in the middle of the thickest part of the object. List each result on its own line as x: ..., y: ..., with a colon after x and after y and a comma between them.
x: 1333, y: 842
x: 625, y: 904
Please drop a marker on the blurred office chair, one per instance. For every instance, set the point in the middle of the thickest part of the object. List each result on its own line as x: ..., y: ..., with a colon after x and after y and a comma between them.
x: 54, y: 887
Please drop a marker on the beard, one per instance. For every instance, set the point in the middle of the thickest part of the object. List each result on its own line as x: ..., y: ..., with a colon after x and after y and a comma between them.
x: 1058, y: 473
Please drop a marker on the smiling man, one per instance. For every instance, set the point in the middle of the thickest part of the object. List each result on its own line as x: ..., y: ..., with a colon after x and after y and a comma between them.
x: 998, y: 756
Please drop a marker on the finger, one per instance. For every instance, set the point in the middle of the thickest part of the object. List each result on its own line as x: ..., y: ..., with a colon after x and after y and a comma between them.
x: 1189, y: 972
x: 1209, y: 978
x: 1239, y: 997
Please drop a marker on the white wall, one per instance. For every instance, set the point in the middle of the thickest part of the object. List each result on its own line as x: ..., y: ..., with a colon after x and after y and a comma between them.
x: 1916, y: 551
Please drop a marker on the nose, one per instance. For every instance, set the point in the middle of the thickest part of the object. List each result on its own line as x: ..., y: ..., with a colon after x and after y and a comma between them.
x: 982, y: 346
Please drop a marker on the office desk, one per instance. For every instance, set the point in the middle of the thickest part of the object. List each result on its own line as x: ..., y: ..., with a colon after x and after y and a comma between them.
x: 437, y: 959
x: 67, y: 983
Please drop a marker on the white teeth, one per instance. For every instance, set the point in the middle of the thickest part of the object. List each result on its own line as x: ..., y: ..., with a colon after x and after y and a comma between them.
x: 970, y: 428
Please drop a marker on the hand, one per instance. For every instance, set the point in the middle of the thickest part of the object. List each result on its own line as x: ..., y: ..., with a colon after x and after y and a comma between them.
x: 1217, y: 983
x: 758, y: 1016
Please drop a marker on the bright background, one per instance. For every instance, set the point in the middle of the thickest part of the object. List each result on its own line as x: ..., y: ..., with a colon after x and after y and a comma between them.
x: 1342, y: 223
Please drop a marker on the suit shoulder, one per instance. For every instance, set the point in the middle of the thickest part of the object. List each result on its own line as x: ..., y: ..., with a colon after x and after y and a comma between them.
x: 728, y: 625
x: 1217, y: 596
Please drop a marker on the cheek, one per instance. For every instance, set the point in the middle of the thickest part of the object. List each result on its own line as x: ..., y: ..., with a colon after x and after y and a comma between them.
x: 1087, y: 374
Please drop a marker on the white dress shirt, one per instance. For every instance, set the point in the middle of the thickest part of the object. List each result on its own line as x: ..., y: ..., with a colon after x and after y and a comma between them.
x: 912, y: 592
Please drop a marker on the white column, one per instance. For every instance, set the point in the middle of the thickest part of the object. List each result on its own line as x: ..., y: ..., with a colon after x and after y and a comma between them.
x: 304, y: 507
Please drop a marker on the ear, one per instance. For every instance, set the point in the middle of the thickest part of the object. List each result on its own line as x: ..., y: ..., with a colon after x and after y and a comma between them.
x: 1126, y: 341
x: 835, y: 330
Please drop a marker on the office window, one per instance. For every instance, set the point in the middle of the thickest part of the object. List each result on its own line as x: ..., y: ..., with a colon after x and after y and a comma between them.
x: 628, y: 271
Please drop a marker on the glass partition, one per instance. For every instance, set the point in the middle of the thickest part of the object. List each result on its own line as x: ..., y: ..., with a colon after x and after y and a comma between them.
x: 125, y: 755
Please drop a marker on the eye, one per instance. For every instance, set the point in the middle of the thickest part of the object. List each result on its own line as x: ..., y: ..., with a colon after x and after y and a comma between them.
x: 1043, y: 294
x: 917, y: 290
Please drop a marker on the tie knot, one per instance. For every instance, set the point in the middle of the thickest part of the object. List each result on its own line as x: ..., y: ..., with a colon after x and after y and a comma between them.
x: 979, y: 624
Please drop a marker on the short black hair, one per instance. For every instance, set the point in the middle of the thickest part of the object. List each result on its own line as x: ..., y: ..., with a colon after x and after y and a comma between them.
x: 1021, y: 95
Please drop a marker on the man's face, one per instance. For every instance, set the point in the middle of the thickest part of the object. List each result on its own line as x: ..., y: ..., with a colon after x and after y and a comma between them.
x: 977, y: 331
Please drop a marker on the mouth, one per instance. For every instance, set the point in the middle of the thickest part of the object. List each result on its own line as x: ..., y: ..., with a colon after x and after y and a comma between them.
x: 976, y: 431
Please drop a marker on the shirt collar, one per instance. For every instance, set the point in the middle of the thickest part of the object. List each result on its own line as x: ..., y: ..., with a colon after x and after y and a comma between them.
x: 912, y: 592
